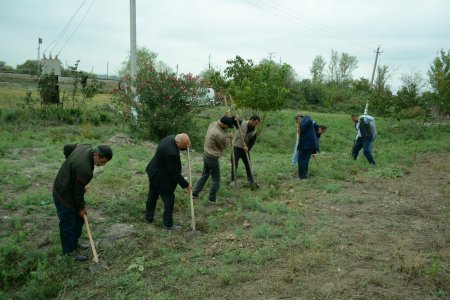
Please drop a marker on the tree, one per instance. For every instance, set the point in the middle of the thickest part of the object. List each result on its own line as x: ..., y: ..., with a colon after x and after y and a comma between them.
x: 28, y: 67
x: 4, y: 67
x: 439, y: 78
x: 144, y: 59
x: 317, y: 69
x: 383, y: 75
x: 261, y: 87
x: 409, y: 95
x: 340, y: 69
x: 165, y: 100
x: 333, y: 74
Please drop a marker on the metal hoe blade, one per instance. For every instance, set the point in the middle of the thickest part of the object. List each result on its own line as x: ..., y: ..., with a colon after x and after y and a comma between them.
x: 98, y: 267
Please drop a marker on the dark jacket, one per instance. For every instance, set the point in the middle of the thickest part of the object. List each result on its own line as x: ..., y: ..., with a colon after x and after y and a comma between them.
x: 73, y: 176
x: 165, y: 166
x: 308, y: 138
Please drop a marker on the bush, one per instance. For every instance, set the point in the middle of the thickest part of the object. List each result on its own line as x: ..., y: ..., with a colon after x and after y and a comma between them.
x: 9, y: 115
x: 164, y: 105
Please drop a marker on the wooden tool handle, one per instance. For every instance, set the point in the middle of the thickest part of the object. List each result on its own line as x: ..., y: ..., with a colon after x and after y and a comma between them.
x: 91, y: 240
x: 190, y: 192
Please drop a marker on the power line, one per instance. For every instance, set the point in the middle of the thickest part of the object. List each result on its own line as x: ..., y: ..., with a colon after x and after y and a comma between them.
x: 61, y: 34
x: 76, y: 28
x: 287, y: 13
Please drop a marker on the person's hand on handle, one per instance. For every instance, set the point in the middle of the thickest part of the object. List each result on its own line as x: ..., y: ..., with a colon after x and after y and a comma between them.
x: 82, y: 212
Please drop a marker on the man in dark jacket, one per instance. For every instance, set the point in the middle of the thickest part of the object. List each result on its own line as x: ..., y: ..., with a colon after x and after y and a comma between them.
x: 307, y: 145
x: 68, y: 192
x: 164, y: 173
x: 240, y: 147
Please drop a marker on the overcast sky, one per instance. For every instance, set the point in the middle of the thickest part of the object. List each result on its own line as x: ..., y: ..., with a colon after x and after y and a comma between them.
x: 195, y: 33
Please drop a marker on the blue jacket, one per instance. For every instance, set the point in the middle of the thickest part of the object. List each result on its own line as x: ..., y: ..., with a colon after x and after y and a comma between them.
x: 308, y: 137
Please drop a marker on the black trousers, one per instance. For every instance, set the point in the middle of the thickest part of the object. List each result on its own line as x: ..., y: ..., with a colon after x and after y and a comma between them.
x: 70, y: 226
x: 239, y: 153
x: 303, y: 161
x: 168, y: 198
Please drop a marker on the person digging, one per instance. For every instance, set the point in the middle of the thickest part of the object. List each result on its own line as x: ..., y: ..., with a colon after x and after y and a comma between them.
x: 68, y: 193
x: 243, y: 141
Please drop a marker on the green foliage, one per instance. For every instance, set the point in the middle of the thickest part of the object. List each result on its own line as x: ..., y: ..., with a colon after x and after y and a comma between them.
x: 9, y: 115
x: 261, y: 87
x: 164, y: 105
x: 28, y: 67
x: 439, y: 78
x: 90, y: 89
x: 28, y: 102
x: 49, y: 89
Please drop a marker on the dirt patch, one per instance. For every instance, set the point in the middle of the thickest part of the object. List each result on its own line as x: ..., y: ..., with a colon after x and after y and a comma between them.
x: 382, y: 239
x: 120, y: 139
x: 118, y: 231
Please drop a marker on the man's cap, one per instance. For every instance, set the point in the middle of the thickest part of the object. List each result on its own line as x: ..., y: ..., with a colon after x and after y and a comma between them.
x: 227, y: 121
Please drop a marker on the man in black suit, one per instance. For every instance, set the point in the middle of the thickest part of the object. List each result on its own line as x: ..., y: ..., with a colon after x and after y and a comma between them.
x: 164, y: 173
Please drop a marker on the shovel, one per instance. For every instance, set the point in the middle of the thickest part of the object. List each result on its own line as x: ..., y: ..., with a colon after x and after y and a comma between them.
x: 99, y: 265
x: 233, y: 162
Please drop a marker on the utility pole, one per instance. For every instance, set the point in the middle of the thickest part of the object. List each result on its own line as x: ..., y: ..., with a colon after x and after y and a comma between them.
x: 107, y: 70
x: 39, y: 56
x: 133, y: 39
x: 270, y: 56
x: 209, y: 62
x: 375, y: 64
x: 133, y: 68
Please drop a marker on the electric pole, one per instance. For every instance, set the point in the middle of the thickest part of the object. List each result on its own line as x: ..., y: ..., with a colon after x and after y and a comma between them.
x: 375, y: 64
x: 133, y: 68
x: 39, y: 56
x: 133, y: 39
x: 209, y: 62
x: 270, y: 56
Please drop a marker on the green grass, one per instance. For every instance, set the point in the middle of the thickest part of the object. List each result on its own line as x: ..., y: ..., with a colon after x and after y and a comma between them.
x: 239, y: 240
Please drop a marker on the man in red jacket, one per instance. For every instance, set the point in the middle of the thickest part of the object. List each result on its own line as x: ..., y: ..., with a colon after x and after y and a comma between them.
x: 68, y: 192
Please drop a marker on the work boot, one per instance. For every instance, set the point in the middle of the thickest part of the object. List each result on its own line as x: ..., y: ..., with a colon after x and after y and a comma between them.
x: 82, y: 246
x: 173, y: 227
x: 253, y: 186
x: 78, y: 257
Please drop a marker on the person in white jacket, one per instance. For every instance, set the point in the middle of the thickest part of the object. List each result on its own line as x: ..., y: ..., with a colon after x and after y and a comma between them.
x: 366, y: 132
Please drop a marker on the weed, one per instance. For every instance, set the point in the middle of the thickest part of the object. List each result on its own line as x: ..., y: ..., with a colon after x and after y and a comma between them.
x: 331, y: 188
x: 435, y: 268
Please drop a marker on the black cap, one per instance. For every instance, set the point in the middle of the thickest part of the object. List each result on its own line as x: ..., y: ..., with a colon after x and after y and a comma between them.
x: 227, y: 121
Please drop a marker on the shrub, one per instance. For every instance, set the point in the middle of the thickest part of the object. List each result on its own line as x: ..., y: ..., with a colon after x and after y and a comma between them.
x: 164, y: 105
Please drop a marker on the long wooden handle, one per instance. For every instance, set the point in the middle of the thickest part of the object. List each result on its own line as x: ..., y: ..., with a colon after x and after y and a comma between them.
x: 233, y: 162
x: 190, y: 192
x: 91, y: 240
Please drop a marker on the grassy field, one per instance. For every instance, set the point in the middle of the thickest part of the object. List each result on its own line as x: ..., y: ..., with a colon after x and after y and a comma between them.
x: 349, y: 232
x: 13, y: 91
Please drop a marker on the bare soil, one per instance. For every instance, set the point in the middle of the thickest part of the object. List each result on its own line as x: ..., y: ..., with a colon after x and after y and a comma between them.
x: 384, y: 238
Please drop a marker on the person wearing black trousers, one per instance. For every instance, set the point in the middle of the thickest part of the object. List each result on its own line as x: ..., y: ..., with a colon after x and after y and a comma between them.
x: 240, y: 148
x: 308, y: 144
x: 164, y: 173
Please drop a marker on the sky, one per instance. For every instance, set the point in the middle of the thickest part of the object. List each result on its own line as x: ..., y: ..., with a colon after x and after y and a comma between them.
x: 192, y: 35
